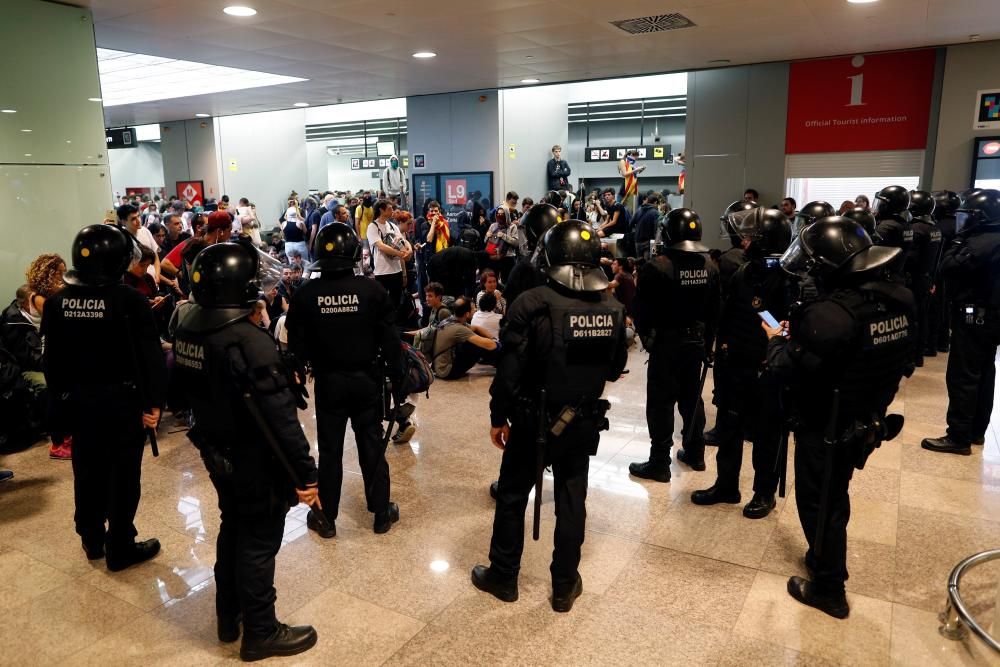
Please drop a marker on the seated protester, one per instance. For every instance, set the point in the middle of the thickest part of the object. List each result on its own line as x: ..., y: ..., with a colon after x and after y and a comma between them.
x: 623, y: 283
x: 276, y: 306
x: 487, y: 316
x: 458, y: 346
x: 19, y: 332
x: 287, y: 285
x: 437, y: 304
x: 258, y: 316
x: 488, y: 285
x: 616, y: 222
x: 281, y: 333
x: 23, y: 408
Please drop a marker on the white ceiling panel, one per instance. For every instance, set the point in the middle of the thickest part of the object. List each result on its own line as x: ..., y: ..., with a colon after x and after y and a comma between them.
x: 357, y: 49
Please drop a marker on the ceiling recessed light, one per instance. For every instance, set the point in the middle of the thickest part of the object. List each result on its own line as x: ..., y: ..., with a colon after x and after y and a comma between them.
x: 529, y: 80
x: 69, y: 141
x: 203, y: 115
x: 93, y: 99
x: 27, y: 155
x: 973, y: 38
x: 301, y: 104
x: 8, y: 110
x: 26, y: 130
x: 424, y: 54
x: 861, y: 2
x: 239, y: 10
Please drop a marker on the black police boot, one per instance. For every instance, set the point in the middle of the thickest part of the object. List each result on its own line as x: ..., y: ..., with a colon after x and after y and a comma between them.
x: 284, y: 640
x: 93, y: 551
x: 487, y: 580
x: 943, y: 348
x: 683, y: 457
x: 804, y: 591
x: 759, y: 506
x: 979, y: 440
x: 229, y: 628
x: 930, y: 352
x: 312, y: 522
x: 119, y: 559
x: 919, y: 362
x: 384, y: 520
x: 947, y: 445
x: 713, y: 496
x: 658, y: 472
x: 493, y: 489
x: 711, y: 437
x: 564, y: 595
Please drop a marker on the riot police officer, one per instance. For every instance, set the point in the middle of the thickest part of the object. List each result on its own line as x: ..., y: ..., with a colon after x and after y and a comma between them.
x: 809, y: 214
x: 733, y: 259
x: 527, y: 272
x: 894, y: 228
x: 864, y: 218
x: 971, y: 267
x: 927, y: 249
x: 844, y: 355
x: 562, y: 342
x: 939, y: 313
x: 246, y: 427
x: 746, y: 397
x: 343, y: 325
x: 455, y: 267
x: 107, y: 379
x: 676, y: 309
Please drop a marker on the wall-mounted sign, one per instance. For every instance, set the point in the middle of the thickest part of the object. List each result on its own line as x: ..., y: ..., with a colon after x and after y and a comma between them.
x: 455, y: 191
x: 860, y: 103
x: 419, y: 160
x: 121, y: 137
x: 987, y: 116
x: 233, y: 166
x: 355, y: 163
x: 193, y: 192
x: 615, y: 153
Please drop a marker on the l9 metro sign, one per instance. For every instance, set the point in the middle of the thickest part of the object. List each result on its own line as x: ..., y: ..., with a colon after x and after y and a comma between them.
x: 455, y: 191
x: 860, y: 103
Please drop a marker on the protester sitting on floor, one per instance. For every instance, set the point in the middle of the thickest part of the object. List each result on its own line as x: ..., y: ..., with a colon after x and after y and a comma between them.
x: 458, y: 345
x: 487, y: 316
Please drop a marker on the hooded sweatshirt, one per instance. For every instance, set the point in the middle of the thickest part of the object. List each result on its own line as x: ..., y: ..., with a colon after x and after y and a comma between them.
x: 394, y: 180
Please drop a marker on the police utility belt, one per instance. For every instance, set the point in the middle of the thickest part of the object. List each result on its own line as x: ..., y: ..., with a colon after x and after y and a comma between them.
x: 694, y: 334
x: 868, y: 435
x: 976, y: 315
x: 218, y: 460
x: 561, y: 418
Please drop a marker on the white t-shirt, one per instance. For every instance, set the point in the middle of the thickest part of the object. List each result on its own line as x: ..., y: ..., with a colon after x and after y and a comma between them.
x: 487, y: 320
x: 387, y: 233
x: 145, y: 237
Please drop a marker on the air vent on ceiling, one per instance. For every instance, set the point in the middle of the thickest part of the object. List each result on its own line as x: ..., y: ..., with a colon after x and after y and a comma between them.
x: 661, y: 23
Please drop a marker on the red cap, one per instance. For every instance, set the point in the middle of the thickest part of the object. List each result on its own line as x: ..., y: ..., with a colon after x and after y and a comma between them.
x: 219, y: 220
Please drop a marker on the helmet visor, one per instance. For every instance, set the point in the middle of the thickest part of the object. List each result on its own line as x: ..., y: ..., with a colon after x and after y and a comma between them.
x: 743, y: 224
x: 796, y: 259
x: 269, y: 271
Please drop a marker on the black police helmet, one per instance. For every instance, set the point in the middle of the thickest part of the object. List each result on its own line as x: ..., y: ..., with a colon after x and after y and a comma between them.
x: 977, y: 209
x: 573, y: 256
x: 812, y: 212
x: 864, y: 218
x: 538, y: 220
x: 891, y: 201
x: 224, y: 286
x: 767, y: 229
x: 946, y: 203
x: 737, y: 208
x: 835, y: 247
x: 101, y: 254
x: 681, y: 230
x: 336, y: 247
x: 469, y: 238
x: 921, y: 205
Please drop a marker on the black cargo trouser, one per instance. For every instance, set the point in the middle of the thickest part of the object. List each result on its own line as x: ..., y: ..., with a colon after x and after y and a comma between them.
x: 971, y: 377
x: 672, y: 378
x: 351, y: 395
x: 107, y: 464
x: 517, y: 476
x: 746, y: 400
x: 830, y: 567
x: 244, y: 561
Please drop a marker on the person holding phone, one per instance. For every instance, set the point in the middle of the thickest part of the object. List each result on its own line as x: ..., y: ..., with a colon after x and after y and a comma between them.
x: 746, y: 395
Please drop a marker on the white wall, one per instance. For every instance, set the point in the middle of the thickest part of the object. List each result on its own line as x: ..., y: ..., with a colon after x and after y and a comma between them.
x: 139, y: 167
x: 189, y: 153
x: 456, y: 131
x: 534, y: 118
x: 341, y: 177
x: 269, y: 150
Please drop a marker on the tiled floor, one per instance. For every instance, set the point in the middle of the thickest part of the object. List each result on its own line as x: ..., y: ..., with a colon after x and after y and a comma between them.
x: 665, y: 581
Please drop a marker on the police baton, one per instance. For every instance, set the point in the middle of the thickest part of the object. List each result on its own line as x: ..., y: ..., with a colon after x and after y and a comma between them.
x: 697, y: 402
x: 143, y: 389
x: 781, y: 465
x: 829, y: 443
x: 279, y: 453
x: 541, y: 440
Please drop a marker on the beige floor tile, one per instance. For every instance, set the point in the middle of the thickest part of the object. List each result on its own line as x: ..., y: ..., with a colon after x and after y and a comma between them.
x: 950, y: 495
x: 769, y: 613
x: 63, y: 551
x: 23, y: 578
x: 875, y: 483
x: 889, y: 455
x: 700, y: 590
x: 62, y: 621
x: 352, y: 631
x: 741, y: 651
x: 916, y: 641
x: 161, y: 643
x: 719, y: 532
x: 195, y: 615
x: 975, y: 468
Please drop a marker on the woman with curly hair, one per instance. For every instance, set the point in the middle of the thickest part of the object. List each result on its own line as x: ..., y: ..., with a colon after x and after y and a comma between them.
x: 44, y: 277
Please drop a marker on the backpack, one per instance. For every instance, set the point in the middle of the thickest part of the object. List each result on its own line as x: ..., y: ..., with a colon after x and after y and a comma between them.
x: 417, y: 374
x: 426, y: 337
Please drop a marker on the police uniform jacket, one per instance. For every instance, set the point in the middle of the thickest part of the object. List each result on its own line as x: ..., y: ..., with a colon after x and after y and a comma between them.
x: 677, y: 296
x: 971, y: 268
x: 755, y: 287
x: 927, y: 240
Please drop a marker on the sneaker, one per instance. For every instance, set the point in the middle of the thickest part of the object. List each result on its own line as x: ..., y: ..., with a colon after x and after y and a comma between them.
x: 6, y: 475
x: 404, y: 434
x: 60, y: 452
